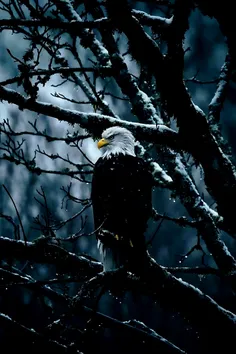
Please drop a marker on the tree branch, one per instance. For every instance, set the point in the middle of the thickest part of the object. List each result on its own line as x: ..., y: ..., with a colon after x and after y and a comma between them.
x: 61, y: 71
x: 218, y: 99
x: 93, y: 122
x: 225, y: 17
x: 192, y: 122
x: 73, y: 26
x: 171, y: 293
x: 35, y: 339
x: 142, y: 332
x: 40, y: 251
x: 156, y: 22
x: 88, y: 37
x: 142, y: 105
x: 193, y: 270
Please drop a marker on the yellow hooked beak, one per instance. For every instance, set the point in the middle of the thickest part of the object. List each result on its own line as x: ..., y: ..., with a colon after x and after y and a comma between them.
x: 102, y: 143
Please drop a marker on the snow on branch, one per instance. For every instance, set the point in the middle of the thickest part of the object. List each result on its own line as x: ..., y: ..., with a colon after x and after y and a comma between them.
x: 138, y: 330
x: 102, y: 70
x: 200, y: 211
x: 205, y: 218
x: 31, y: 336
x: 135, y: 328
x: 133, y: 30
x: 142, y: 105
x: 156, y: 22
x: 13, y: 277
x: 197, y: 208
x: 54, y: 51
x: 184, y: 222
x: 164, y: 345
x: 160, y: 175
x: 89, y: 40
x: 217, y: 102
x: 193, y: 126
x: 40, y: 251
x: 155, y: 281
x: 171, y: 293
x: 71, y: 26
x: 93, y: 122
x: 193, y: 270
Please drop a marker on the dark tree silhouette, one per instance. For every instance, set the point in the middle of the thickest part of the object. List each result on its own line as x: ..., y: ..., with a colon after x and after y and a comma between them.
x: 89, y: 66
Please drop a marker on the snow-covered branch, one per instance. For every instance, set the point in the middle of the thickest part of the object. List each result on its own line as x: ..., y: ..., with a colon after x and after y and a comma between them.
x: 217, y: 102
x: 40, y: 251
x: 192, y: 122
x: 13, y: 278
x: 205, y: 217
x: 62, y: 71
x: 94, y: 123
x: 184, y: 222
x: 193, y: 270
x: 113, y: 61
x: 72, y: 26
x: 171, y: 293
x: 196, y: 207
x: 156, y: 22
x: 89, y: 40
x: 142, y: 105
x: 30, y: 336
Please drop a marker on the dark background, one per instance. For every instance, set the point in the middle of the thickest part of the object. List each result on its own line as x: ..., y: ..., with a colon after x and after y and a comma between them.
x: 205, y: 53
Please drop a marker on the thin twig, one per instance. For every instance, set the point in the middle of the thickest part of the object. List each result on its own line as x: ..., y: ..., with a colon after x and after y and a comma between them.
x: 18, y: 215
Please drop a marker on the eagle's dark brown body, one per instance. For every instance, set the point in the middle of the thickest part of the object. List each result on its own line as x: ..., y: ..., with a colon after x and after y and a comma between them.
x: 122, y: 204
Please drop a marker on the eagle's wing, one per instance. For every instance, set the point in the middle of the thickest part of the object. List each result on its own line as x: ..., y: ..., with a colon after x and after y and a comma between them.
x: 122, y: 196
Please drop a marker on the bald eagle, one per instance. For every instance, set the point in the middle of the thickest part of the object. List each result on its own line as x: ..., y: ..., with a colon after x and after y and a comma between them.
x: 122, y: 198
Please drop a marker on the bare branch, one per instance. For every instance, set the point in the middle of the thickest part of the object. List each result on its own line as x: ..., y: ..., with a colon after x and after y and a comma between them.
x: 15, y: 226
x: 181, y: 221
x: 17, y: 212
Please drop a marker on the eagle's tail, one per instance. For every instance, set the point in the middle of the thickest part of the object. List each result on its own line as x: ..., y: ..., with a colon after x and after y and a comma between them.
x: 111, y: 258
x: 133, y: 257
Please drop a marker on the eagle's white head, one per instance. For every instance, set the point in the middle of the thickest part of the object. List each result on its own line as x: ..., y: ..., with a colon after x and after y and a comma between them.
x: 116, y: 140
